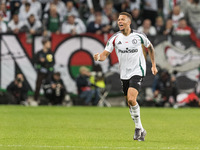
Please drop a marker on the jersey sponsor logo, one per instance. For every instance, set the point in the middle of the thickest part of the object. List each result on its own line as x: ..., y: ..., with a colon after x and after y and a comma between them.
x: 128, y: 50
x: 134, y: 41
x: 119, y: 42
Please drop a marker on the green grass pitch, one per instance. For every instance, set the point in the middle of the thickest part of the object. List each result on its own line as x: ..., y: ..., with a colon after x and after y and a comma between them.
x: 94, y: 128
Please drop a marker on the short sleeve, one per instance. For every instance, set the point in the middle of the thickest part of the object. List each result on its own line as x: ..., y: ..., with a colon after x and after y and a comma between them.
x: 145, y: 41
x: 110, y: 44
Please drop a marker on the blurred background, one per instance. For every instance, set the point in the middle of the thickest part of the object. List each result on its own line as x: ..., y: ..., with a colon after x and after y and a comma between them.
x: 46, y: 49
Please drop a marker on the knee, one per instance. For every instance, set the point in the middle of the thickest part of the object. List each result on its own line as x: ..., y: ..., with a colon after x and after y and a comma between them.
x: 132, y: 101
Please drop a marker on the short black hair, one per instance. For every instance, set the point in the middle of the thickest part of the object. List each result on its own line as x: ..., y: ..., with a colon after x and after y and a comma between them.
x: 126, y: 14
x: 45, y: 40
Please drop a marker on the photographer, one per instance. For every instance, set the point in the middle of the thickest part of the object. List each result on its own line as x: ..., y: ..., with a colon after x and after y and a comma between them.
x: 17, y: 90
x: 54, y: 89
x: 44, y: 62
x: 84, y: 85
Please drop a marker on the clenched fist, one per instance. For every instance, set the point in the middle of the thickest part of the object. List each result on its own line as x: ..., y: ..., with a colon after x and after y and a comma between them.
x: 96, y: 57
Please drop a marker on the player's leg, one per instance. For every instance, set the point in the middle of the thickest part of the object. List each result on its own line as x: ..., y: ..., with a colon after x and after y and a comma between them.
x: 135, y: 83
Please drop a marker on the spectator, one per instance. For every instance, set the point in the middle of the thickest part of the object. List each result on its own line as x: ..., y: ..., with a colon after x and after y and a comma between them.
x: 176, y: 15
x: 150, y: 10
x: 168, y: 6
x: 83, y: 10
x: 37, y: 8
x: 85, y: 90
x: 184, y: 30
x: 15, y: 25
x: 168, y: 29
x: 98, y: 26
x: 108, y: 10
x: 159, y: 25
x: 136, y: 17
x: 70, y: 9
x: 54, y: 89
x: 125, y: 6
x: 25, y: 11
x: 192, y: 13
x: 165, y: 84
x: 92, y: 17
x: 73, y: 26
x: 51, y: 21
x: 18, y: 89
x: 3, y: 26
x: 135, y: 4
x: 114, y: 23
x: 6, y: 13
x: 44, y: 62
x: 14, y: 6
x: 95, y: 5
x: 60, y: 8
x: 32, y: 27
x: 147, y: 28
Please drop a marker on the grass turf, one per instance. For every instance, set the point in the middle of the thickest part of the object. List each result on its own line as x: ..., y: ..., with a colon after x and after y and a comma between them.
x: 94, y: 128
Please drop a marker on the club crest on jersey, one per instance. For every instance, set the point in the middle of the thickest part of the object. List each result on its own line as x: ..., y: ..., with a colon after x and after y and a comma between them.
x: 134, y: 41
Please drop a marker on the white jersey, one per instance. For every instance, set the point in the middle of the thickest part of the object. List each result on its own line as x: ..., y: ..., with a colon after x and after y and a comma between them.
x: 129, y: 52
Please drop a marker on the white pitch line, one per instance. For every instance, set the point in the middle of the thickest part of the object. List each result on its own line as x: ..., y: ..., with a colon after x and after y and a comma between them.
x: 96, y: 147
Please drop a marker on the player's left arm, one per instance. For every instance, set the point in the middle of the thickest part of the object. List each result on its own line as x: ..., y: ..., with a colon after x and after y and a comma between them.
x: 152, y: 56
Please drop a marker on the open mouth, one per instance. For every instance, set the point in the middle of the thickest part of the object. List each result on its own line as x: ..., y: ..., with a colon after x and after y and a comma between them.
x: 121, y: 25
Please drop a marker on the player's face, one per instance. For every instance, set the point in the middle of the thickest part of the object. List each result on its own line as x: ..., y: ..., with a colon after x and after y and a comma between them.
x: 123, y: 22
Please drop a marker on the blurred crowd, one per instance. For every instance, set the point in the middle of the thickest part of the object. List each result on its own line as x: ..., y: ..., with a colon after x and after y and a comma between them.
x: 153, y: 17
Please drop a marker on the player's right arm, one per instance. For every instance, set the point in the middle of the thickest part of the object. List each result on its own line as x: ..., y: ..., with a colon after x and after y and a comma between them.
x: 102, y: 56
x: 108, y: 49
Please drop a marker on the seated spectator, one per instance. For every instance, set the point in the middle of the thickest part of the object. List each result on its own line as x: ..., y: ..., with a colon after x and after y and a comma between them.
x: 73, y: 26
x: 25, y: 11
x: 136, y: 17
x: 85, y: 90
x: 15, y: 25
x: 98, y: 26
x: 176, y: 15
x: 54, y: 89
x: 36, y: 7
x: 184, y: 30
x: 18, y: 89
x: 168, y: 29
x: 147, y: 29
x: 159, y: 25
x: 51, y: 21
x: 70, y: 9
x: 31, y: 27
x: 6, y: 13
x: 92, y: 17
x: 165, y: 84
x: 3, y: 26
x: 60, y: 8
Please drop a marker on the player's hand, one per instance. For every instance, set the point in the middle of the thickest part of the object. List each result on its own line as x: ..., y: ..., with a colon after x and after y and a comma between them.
x: 96, y: 57
x: 154, y: 70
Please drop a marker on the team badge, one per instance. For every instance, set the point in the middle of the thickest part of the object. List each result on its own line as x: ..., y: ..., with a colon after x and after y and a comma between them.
x: 134, y: 41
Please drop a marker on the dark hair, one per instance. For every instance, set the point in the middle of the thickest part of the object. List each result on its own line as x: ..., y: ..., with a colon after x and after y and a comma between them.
x: 126, y: 14
x: 44, y: 40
